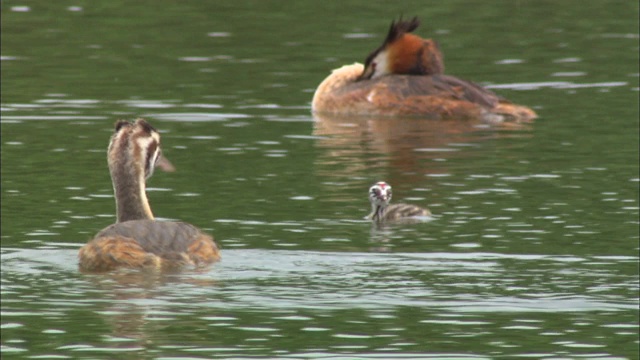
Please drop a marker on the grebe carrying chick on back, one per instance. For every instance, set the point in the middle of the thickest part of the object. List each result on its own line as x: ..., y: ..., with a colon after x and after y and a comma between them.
x: 405, y: 77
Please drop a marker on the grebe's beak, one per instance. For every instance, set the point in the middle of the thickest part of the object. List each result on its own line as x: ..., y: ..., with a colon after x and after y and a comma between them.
x: 367, y: 73
x: 165, y: 165
x: 382, y: 196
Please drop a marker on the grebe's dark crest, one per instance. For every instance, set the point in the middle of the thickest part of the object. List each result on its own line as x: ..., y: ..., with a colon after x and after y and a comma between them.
x: 404, y: 53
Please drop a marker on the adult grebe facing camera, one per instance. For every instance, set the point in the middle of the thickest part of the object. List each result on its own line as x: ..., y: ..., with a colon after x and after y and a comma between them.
x: 405, y: 77
x: 137, y: 240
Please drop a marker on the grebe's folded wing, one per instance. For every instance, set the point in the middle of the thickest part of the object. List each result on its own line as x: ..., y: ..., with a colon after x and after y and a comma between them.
x: 444, y: 86
x: 157, y: 237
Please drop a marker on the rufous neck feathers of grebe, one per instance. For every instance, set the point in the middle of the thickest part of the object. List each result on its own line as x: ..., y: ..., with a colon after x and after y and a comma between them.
x: 403, y: 53
x: 379, y: 196
x: 133, y: 153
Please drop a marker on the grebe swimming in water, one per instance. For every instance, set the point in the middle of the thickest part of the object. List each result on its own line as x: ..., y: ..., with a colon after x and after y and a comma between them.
x: 136, y: 240
x: 381, y: 211
x: 405, y: 77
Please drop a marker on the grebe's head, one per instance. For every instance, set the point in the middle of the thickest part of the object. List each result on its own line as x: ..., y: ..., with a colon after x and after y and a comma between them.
x: 380, y: 194
x: 138, y: 144
x: 404, y: 53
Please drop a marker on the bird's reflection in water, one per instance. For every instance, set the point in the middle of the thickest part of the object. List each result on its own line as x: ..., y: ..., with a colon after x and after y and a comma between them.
x: 381, y: 233
x: 355, y: 151
x: 139, y: 299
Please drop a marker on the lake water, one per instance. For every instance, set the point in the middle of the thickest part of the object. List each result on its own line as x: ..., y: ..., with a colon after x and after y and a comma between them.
x: 532, y: 251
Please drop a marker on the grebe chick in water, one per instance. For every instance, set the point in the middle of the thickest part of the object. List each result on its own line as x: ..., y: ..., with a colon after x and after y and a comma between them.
x: 137, y: 240
x: 382, y: 211
x: 405, y: 77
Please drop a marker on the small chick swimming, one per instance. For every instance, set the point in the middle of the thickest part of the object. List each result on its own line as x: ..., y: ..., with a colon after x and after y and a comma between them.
x: 405, y: 77
x: 381, y: 211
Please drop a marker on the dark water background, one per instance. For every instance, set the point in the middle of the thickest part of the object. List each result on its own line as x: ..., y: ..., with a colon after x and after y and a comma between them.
x: 532, y: 252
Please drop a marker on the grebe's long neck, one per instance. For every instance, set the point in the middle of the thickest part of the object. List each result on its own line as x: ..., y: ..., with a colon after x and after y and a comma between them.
x: 130, y: 192
x: 133, y: 152
x: 377, y: 212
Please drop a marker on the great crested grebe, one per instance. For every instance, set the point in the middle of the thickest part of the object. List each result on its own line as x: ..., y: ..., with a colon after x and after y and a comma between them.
x: 136, y: 240
x: 405, y: 77
x: 381, y: 211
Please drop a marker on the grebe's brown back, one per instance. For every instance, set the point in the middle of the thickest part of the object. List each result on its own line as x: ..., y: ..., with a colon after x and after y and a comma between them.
x: 137, y: 240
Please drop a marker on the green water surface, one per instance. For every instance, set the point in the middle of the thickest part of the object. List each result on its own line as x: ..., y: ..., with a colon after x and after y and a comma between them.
x: 532, y: 251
